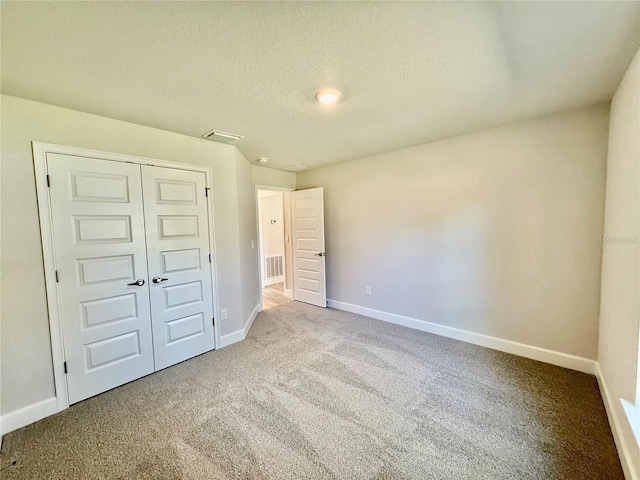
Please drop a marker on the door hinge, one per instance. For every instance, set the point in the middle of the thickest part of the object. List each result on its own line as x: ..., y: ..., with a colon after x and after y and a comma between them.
x: 48, y: 181
x: 206, y: 191
x: 209, y: 258
x: 65, y: 367
x: 57, y: 277
x: 213, y: 320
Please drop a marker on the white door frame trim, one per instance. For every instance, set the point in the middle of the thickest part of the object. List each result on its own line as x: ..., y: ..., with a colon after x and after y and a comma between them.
x: 40, y: 151
x: 259, y: 249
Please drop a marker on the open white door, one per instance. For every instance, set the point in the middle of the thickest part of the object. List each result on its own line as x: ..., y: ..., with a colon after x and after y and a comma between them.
x: 307, y: 226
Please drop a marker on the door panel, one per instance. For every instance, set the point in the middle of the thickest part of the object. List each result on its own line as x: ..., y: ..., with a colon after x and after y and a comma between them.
x: 105, y: 269
x: 98, y: 228
x: 102, y: 229
x: 180, y: 260
x: 307, y: 213
x: 107, y: 310
x: 178, y: 249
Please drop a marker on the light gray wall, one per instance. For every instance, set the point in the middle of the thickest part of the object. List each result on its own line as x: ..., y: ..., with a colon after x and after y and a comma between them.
x: 271, y: 208
x: 247, y: 237
x: 27, y: 372
x: 272, y: 177
x: 619, y: 323
x: 497, y: 232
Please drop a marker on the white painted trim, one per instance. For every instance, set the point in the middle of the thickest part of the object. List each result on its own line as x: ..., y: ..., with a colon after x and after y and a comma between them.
x: 633, y: 417
x: 529, y: 351
x: 48, y: 251
x: 624, y: 449
x: 251, y: 319
x: 231, y: 338
x: 214, y: 262
x: 27, y: 415
x: 40, y: 151
x: 273, y: 189
x: 274, y: 280
x: 288, y: 292
x: 239, y: 335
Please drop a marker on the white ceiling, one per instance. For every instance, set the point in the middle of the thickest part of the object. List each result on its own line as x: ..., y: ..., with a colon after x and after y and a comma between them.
x: 409, y: 72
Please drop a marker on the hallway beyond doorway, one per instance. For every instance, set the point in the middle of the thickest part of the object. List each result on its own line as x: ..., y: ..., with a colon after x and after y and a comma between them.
x: 273, y: 296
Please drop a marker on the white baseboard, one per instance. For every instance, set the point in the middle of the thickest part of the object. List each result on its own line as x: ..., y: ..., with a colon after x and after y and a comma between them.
x: 239, y: 335
x: 631, y: 471
x: 230, y: 338
x: 529, y: 351
x: 273, y: 281
x: 21, y: 418
x: 288, y: 292
x: 249, y: 322
x: 32, y: 413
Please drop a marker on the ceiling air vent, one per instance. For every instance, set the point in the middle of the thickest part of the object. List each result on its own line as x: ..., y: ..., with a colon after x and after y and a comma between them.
x: 222, y: 136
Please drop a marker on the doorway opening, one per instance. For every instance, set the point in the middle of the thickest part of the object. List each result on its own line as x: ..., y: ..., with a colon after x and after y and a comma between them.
x: 274, y: 239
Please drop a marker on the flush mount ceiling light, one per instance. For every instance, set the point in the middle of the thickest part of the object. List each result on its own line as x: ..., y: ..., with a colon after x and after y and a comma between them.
x: 328, y: 96
x: 263, y: 159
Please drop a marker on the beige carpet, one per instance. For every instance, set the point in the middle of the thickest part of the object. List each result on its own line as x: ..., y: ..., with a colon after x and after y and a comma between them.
x: 316, y: 393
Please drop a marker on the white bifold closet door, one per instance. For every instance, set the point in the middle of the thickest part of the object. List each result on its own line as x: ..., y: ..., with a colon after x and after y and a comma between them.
x: 111, y: 240
x: 175, y: 209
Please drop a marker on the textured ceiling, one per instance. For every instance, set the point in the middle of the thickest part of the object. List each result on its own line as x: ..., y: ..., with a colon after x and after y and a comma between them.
x: 409, y: 72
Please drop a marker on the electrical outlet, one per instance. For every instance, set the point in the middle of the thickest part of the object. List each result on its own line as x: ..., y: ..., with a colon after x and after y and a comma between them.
x: 223, y: 314
x: 253, y: 244
x: 367, y: 290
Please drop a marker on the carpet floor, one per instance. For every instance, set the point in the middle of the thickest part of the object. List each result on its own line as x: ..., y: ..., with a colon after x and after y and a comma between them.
x: 315, y: 393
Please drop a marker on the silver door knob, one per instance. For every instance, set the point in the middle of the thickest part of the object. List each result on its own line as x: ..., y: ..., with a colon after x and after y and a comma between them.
x: 158, y: 279
x: 138, y: 283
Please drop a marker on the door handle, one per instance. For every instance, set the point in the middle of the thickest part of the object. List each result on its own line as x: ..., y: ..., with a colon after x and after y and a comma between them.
x: 138, y: 283
x: 158, y: 279
x: 321, y: 254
